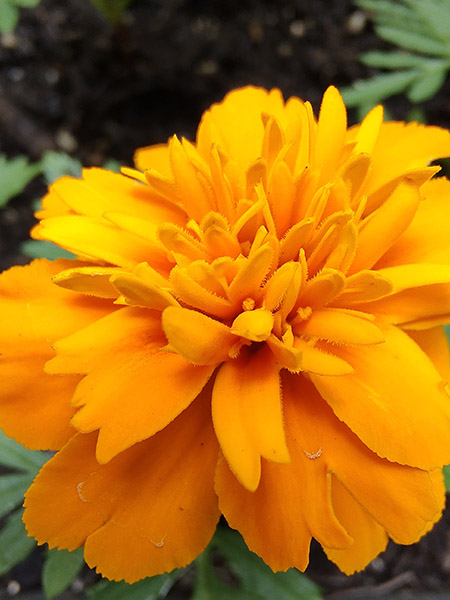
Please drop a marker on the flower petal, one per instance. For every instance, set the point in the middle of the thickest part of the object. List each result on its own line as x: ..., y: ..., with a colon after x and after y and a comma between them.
x: 396, y: 390
x: 434, y: 343
x: 149, y: 510
x: 33, y: 313
x: 198, y: 338
x: 133, y: 397
x: 369, y: 538
x: 247, y: 415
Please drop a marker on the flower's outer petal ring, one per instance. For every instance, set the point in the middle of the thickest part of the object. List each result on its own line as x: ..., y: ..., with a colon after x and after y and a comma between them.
x: 396, y: 390
x: 149, y: 510
x: 369, y: 538
x: 33, y: 313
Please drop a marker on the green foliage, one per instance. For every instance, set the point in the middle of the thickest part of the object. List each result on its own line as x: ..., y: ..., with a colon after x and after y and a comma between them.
x: 152, y: 588
x: 15, y: 173
x: 9, y: 13
x: 112, y: 10
x: 256, y: 580
x: 15, y: 545
x: 421, y: 31
x: 446, y: 471
x: 60, y: 569
x: 56, y: 164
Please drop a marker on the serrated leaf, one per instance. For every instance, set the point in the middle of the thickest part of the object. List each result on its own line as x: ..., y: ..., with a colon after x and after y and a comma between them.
x: 446, y: 471
x: 15, y: 545
x: 395, y: 15
x: 9, y: 16
x: 43, y: 249
x: 413, y: 41
x: 372, y: 91
x: 435, y: 13
x: 392, y: 60
x: 15, y: 173
x: 57, y: 164
x: 426, y: 85
x: 16, y: 456
x: 12, y: 490
x: 60, y: 569
x: 152, y: 588
x: 256, y: 577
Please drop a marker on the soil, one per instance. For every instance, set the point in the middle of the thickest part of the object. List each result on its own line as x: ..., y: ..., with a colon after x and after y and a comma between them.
x: 70, y: 81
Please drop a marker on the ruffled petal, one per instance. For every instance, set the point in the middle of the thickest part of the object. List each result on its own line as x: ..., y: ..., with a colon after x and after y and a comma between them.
x: 369, y: 538
x: 34, y: 312
x: 149, y: 510
x: 247, y: 415
x: 396, y: 390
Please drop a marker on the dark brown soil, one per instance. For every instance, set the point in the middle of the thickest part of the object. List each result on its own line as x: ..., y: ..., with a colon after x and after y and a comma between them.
x: 71, y: 82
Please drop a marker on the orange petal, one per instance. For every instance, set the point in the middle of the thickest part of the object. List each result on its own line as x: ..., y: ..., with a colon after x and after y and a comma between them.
x: 369, y: 538
x: 331, y: 131
x: 403, y: 500
x: 33, y: 313
x: 416, y: 308
x: 434, y: 343
x: 149, y: 510
x: 198, y: 338
x: 340, y: 325
x: 381, y: 229
x: 35, y: 407
x: 387, y: 410
x: 401, y: 147
x: 427, y: 238
x: 154, y: 157
x: 247, y: 415
x: 134, y: 396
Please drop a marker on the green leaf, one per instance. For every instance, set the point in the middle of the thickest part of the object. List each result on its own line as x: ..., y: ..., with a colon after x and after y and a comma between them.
x: 57, y: 164
x: 426, y: 85
x: 16, y: 456
x: 209, y: 587
x: 436, y: 13
x: 152, y: 588
x: 387, y: 12
x: 16, y: 173
x: 12, y: 490
x: 256, y: 577
x: 60, y: 569
x: 392, y: 60
x: 372, y: 91
x: 446, y: 471
x: 44, y: 249
x: 26, y: 3
x: 15, y: 545
x: 413, y: 41
x: 9, y: 16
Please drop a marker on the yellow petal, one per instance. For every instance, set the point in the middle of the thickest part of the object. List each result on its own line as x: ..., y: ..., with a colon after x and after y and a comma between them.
x: 136, y: 292
x: 340, y: 325
x: 198, y: 338
x: 255, y: 325
x: 382, y: 228
x: 332, y: 127
x: 93, y: 281
x: 317, y: 361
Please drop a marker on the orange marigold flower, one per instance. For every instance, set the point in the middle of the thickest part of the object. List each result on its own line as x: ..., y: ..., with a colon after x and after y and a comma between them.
x: 253, y: 327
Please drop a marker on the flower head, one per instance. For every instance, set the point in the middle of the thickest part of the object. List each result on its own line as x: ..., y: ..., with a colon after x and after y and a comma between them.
x: 252, y: 327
